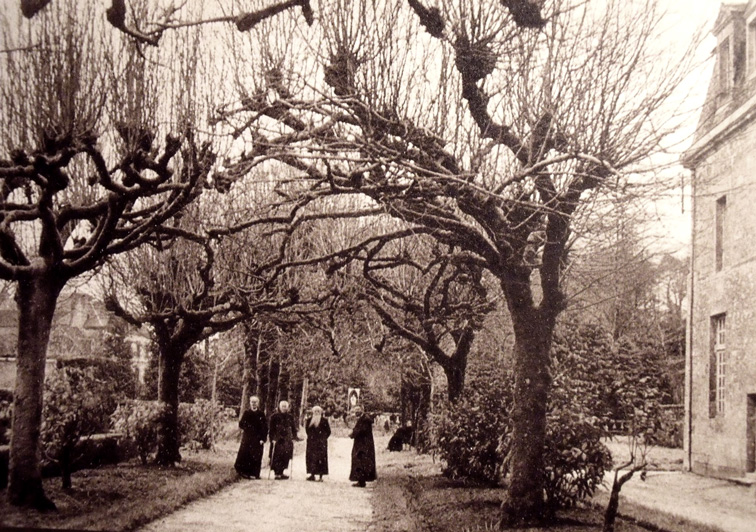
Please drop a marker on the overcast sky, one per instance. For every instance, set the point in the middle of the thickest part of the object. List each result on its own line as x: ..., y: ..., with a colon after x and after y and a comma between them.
x: 685, y: 18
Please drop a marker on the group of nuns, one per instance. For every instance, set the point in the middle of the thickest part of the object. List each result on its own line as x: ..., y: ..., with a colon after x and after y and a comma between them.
x: 281, y: 430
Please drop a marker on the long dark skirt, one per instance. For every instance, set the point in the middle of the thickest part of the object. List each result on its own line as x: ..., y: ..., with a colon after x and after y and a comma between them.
x: 316, y: 456
x: 363, y: 460
x: 282, y: 453
x: 249, y: 457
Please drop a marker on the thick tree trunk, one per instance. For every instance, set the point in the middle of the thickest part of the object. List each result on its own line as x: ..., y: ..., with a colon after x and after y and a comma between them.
x: 168, y: 394
x: 421, y: 435
x: 455, y: 366
x: 36, y: 300
x: 272, y: 391
x: 66, y: 470
x: 284, y: 393
x: 455, y: 379
x: 524, y: 502
x: 250, y: 382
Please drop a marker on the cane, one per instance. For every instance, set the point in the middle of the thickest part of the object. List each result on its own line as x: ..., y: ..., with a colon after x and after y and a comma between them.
x: 270, y: 458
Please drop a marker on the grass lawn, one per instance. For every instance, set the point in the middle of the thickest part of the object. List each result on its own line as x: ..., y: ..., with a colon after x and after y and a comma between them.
x: 439, y: 504
x: 410, y: 496
x: 125, y: 496
x: 447, y: 506
x: 443, y: 505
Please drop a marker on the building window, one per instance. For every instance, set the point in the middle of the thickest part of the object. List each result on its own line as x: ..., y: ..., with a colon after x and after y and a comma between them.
x: 719, y: 232
x: 724, y: 74
x: 718, y: 366
x: 751, y: 47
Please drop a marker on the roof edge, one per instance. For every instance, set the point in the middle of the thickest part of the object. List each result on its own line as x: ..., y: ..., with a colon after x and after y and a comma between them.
x: 706, y: 143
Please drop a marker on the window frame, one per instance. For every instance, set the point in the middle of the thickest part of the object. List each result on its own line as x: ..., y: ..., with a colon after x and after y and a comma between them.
x: 720, y: 362
x: 725, y: 75
x: 720, y: 217
x: 750, y: 29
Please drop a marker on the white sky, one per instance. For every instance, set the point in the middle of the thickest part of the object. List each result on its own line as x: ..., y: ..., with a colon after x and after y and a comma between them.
x: 685, y: 18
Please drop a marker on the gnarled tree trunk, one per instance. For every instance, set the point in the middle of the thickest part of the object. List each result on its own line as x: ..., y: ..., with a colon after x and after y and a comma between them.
x: 168, y: 394
x: 455, y: 366
x: 524, y: 503
x: 36, y: 300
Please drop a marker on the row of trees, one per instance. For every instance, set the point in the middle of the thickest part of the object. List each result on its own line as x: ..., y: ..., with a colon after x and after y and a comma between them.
x: 456, y: 146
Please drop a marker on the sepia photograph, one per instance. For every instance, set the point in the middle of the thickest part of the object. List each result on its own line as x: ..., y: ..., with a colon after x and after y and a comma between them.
x: 377, y: 265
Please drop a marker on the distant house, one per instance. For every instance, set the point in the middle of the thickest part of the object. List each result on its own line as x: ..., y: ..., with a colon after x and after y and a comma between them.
x: 720, y: 429
x: 80, y: 326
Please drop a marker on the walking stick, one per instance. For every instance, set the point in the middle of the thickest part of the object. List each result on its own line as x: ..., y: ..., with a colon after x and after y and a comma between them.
x: 270, y: 457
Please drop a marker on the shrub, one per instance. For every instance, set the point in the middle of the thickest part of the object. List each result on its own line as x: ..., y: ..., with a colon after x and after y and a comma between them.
x: 113, y: 386
x: 575, y: 458
x: 467, y: 433
x: 474, y: 438
x: 137, y: 421
x: 200, y: 423
x: 72, y: 409
x: 668, y: 431
x: 6, y: 415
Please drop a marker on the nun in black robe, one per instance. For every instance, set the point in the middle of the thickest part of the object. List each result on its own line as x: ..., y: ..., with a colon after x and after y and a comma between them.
x: 363, y: 450
x: 316, y: 455
x: 283, y: 432
x: 255, y: 431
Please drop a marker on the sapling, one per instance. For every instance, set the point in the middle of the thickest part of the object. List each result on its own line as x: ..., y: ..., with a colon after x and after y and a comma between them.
x: 636, y: 462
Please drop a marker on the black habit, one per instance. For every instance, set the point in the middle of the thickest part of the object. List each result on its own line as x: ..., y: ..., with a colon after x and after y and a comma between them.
x: 363, y: 451
x: 283, y: 430
x: 255, y: 430
x: 316, y: 455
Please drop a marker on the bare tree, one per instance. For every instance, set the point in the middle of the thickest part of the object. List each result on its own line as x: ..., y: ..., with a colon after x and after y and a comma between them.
x: 85, y: 176
x: 425, y: 293
x: 195, y: 281
x: 493, y: 131
x: 149, y: 30
x: 100, y: 146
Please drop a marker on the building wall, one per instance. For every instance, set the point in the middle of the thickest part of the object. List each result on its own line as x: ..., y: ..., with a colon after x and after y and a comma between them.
x: 719, y: 444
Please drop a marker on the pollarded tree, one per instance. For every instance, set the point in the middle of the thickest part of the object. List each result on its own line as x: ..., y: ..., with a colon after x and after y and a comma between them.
x: 427, y: 295
x: 92, y: 159
x: 196, y: 279
x: 99, y: 146
x: 493, y: 127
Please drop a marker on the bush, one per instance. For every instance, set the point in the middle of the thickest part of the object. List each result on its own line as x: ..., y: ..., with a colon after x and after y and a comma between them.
x: 91, y: 452
x: 6, y: 415
x: 575, y: 458
x: 137, y: 421
x: 200, y: 423
x: 113, y: 386
x: 72, y: 409
x: 474, y: 438
x: 667, y: 430
x: 467, y: 433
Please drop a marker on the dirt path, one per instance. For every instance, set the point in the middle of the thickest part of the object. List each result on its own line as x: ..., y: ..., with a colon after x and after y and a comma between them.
x: 283, y: 505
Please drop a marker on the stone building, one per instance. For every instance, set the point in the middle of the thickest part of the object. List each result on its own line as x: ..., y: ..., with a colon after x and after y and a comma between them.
x: 80, y: 327
x: 720, y: 428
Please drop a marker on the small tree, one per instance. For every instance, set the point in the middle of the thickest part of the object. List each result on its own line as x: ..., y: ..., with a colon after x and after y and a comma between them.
x: 623, y: 473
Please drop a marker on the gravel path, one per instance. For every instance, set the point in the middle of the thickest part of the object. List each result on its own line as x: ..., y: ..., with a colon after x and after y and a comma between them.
x: 282, y: 505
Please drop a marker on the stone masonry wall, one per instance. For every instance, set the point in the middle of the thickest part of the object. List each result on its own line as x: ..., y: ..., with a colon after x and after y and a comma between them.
x: 719, y: 444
